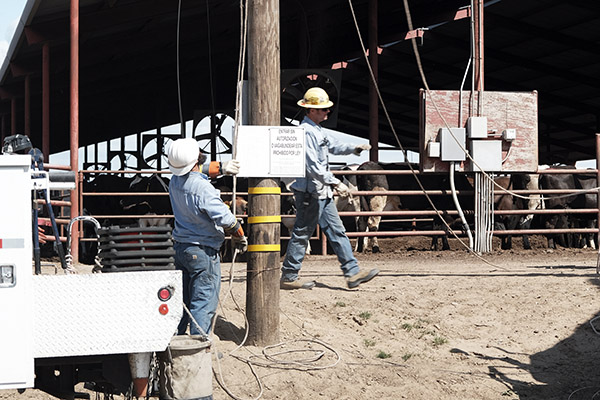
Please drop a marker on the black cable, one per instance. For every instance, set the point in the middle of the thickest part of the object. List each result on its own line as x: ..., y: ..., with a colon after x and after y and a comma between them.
x: 178, y: 77
x: 210, y: 75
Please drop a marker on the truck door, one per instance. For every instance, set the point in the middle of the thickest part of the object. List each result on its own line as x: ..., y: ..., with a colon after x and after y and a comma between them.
x: 16, y: 344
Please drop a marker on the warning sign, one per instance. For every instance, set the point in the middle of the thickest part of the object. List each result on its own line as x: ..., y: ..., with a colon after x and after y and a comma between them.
x: 271, y: 151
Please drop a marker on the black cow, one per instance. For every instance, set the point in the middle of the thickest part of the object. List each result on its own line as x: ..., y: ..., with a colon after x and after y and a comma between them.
x: 442, y: 203
x: 157, y: 205
x: 506, y: 201
x: 582, y: 200
x: 108, y: 204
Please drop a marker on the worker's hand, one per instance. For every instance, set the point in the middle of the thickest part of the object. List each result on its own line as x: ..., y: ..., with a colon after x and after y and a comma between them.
x: 231, y: 167
x: 41, y: 235
x: 342, y: 189
x: 358, y: 149
x: 239, y: 243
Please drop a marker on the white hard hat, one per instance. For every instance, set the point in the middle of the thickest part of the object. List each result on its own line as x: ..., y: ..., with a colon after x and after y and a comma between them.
x: 183, y: 155
x: 315, y: 97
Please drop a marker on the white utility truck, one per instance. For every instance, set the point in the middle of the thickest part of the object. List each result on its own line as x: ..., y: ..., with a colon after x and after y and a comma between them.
x: 57, y: 330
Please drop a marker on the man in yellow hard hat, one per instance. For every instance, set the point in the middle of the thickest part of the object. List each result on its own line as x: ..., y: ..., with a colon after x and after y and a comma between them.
x: 313, y: 197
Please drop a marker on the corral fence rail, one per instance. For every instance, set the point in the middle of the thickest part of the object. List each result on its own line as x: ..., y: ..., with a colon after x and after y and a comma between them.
x: 406, y: 215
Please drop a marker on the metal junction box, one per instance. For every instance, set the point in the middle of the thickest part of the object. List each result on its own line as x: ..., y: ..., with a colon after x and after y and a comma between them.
x: 487, y: 154
x: 451, y: 141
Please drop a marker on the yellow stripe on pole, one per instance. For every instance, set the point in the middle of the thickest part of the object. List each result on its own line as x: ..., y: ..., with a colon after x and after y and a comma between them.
x: 264, y: 219
x: 263, y: 247
x: 264, y: 190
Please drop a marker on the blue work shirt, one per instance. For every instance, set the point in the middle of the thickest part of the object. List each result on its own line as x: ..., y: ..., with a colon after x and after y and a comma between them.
x: 319, y: 178
x: 200, y: 214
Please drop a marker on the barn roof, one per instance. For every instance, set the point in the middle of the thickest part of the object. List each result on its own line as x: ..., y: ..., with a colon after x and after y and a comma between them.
x: 128, y: 63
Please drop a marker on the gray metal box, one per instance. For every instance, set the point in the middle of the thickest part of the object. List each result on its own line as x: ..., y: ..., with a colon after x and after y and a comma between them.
x: 450, y: 149
x: 477, y: 127
x: 487, y: 154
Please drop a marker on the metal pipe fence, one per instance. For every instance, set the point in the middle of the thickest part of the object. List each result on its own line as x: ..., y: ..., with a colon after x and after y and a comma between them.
x: 411, y: 215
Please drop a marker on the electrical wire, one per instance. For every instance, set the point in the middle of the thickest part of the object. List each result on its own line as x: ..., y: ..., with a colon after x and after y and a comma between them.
x: 239, y: 90
x: 404, y: 152
x: 182, y: 122
x: 210, y: 74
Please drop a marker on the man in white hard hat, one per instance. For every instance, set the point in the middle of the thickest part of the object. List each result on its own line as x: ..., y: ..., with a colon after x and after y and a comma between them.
x: 313, y: 197
x: 201, y: 222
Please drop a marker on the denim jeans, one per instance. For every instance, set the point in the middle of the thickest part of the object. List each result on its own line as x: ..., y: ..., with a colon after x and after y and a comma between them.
x: 201, y: 269
x: 323, y: 212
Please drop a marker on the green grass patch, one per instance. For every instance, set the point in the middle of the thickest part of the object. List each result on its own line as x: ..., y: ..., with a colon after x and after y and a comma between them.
x: 383, y: 355
x: 439, y: 340
x: 407, y: 327
x: 369, y: 343
x: 365, y: 315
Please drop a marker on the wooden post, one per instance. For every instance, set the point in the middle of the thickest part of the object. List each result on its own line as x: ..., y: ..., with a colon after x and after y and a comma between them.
x: 262, y: 296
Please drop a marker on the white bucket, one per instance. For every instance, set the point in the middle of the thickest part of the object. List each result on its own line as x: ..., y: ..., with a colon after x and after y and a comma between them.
x: 185, y: 371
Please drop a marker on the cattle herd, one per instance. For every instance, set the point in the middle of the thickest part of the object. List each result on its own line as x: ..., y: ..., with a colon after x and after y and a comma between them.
x: 143, y: 201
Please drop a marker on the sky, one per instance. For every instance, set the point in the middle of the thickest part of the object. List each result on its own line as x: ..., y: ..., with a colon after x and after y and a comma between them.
x: 10, y: 12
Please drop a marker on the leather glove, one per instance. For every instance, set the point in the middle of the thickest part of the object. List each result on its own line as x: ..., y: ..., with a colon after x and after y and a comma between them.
x: 358, y: 149
x: 239, y: 243
x: 342, y: 189
x: 231, y: 167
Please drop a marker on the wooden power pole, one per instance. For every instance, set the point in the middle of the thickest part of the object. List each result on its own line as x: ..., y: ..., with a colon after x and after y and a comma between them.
x: 262, y: 296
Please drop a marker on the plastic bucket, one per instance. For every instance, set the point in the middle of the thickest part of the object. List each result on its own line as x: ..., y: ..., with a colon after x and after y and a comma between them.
x: 185, y: 369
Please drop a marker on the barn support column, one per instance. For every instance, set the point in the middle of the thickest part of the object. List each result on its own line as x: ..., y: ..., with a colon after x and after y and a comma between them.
x: 262, y: 298
x: 3, y: 127
x: 27, y: 118
x: 373, y: 98
x: 74, y: 122
x: 598, y: 195
x: 46, y: 100
x: 478, y: 46
x: 13, y: 115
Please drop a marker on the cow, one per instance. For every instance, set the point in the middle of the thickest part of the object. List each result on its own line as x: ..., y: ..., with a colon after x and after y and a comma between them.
x: 349, y: 203
x: 420, y: 202
x: 504, y: 200
x: 558, y: 202
x: 377, y: 203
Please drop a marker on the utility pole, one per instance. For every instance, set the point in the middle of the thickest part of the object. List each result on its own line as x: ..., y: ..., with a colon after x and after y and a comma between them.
x: 262, y: 295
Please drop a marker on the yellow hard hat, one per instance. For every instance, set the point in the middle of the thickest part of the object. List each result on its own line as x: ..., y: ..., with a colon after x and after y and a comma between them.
x: 315, y: 98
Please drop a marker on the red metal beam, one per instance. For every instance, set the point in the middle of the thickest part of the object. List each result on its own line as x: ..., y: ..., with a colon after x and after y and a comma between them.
x: 27, y: 90
x: 46, y: 100
x: 74, y: 123
x: 13, y: 116
x: 373, y: 97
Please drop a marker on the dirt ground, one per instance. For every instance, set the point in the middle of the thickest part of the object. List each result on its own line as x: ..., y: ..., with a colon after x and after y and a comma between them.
x: 432, y: 325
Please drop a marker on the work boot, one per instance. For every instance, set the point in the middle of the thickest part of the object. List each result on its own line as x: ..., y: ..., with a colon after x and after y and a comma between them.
x: 297, y: 284
x: 361, y: 277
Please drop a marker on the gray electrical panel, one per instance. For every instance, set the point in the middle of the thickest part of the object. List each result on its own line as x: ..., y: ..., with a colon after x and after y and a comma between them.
x: 452, y: 143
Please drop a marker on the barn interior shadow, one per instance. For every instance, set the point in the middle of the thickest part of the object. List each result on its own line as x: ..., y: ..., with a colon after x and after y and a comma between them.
x: 568, y: 370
